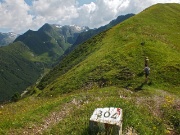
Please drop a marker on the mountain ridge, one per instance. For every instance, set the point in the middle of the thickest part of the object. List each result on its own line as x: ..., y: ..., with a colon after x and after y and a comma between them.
x: 141, y: 38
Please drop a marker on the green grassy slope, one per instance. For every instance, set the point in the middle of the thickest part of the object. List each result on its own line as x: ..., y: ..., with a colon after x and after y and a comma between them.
x: 93, y: 75
x: 116, y: 57
x: 84, y: 36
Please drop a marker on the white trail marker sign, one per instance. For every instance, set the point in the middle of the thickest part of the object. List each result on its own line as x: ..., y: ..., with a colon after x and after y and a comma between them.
x: 108, y: 120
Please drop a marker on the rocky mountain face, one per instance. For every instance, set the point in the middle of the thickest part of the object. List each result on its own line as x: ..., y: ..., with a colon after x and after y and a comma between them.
x: 7, y: 38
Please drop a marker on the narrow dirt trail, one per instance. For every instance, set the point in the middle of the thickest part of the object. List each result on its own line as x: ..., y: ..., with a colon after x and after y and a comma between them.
x: 52, y: 119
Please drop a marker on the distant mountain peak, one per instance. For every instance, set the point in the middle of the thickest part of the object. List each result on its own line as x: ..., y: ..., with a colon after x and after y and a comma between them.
x: 7, y: 38
x: 58, y: 26
x: 73, y: 27
x: 45, y: 27
x: 80, y: 28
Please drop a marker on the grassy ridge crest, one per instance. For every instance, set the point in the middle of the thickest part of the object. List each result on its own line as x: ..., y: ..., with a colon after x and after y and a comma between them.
x: 116, y: 56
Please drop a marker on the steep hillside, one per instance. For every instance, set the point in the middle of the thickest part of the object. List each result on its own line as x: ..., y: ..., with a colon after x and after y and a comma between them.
x: 107, y: 71
x: 17, y: 71
x: 116, y: 56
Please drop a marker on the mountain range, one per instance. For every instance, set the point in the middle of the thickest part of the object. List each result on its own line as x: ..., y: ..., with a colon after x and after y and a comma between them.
x: 50, y: 41
x: 33, y: 53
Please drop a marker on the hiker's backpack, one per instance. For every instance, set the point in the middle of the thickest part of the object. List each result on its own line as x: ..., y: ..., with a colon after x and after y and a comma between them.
x: 147, y: 70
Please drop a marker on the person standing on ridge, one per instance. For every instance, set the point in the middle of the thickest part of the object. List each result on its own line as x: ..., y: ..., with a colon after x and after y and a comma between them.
x: 146, y: 71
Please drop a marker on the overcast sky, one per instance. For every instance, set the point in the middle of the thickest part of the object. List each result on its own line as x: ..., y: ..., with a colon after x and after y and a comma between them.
x: 20, y: 15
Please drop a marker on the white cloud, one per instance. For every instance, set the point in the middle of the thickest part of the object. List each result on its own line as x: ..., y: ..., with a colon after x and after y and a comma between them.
x: 55, y: 8
x: 17, y: 16
x: 85, y: 14
x: 13, y: 15
x: 139, y: 5
x: 101, y: 12
x: 52, y: 11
